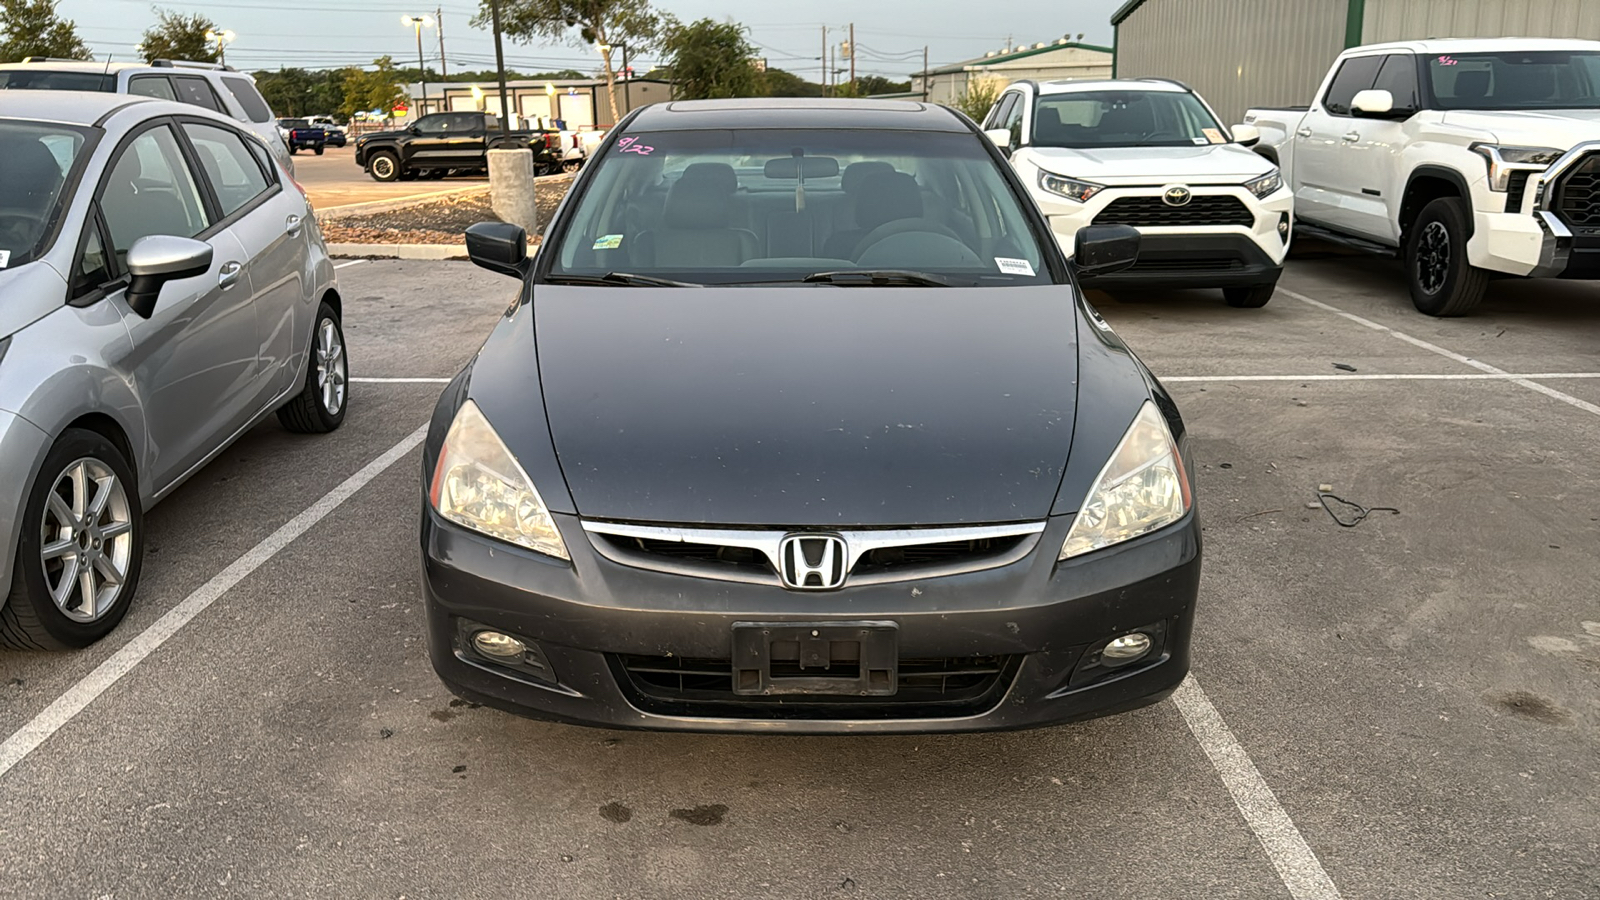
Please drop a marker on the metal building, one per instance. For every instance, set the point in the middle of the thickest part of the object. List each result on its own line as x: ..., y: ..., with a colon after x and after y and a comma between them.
x: 1244, y: 53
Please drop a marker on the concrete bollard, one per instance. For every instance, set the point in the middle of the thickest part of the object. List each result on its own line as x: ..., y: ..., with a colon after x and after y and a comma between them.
x: 513, y: 188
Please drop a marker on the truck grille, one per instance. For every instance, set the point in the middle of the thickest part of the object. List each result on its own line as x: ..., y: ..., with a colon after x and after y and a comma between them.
x: 927, y: 688
x: 1204, y: 209
x: 1578, y: 196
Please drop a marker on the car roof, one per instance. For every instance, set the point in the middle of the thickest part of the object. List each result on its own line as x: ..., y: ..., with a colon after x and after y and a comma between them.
x: 796, y: 112
x: 1480, y: 45
x: 78, y: 65
x: 68, y: 107
x: 1159, y: 85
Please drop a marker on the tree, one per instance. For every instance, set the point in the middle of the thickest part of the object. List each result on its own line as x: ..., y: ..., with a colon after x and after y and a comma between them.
x: 981, y: 93
x: 710, y: 60
x: 781, y: 83
x: 604, y: 24
x: 378, y: 89
x: 179, y: 36
x: 32, y: 28
x: 867, y: 85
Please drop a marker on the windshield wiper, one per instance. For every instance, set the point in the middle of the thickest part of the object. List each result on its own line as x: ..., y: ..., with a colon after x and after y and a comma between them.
x: 879, y: 277
x: 620, y: 278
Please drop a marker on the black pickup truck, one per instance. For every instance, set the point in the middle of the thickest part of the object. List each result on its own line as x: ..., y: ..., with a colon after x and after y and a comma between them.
x: 300, y: 134
x: 437, y: 144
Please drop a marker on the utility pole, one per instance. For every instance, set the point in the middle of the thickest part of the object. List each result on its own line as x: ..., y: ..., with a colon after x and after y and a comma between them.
x: 627, y: 76
x: 444, y: 70
x: 852, y: 59
x: 833, y: 72
x: 825, y: 51
x: 925, y: 92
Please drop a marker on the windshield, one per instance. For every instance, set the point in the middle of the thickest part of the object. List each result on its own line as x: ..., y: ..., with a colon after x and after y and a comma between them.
x: 294, y: 123
x: 39, y: 163
x: 1545, y: 79
x: 734, y: 206
x: 32, y: 79
x: 1124, y: 119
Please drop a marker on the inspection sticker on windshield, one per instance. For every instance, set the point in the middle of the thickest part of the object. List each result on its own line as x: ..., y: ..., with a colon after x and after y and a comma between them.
x: 1213, y: 135
x: 608, y: 242
x: 1014, y: 266
x: 5, y: 258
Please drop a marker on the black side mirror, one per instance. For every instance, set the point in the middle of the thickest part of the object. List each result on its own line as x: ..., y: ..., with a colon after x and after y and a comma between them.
x: 1104, y: 249
x: 499, y: 247
x: 155, y: 260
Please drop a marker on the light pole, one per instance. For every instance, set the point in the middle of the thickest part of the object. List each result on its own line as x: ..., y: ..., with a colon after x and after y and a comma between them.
x: 422, y: 68
x: 222, y: 39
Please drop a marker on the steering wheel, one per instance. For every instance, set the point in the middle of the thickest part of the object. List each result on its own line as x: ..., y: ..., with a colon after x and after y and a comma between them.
x: 901, y: 226
x: 21, y: 222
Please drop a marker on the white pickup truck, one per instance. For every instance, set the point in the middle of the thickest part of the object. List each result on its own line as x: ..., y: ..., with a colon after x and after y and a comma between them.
x: 1464, y: 157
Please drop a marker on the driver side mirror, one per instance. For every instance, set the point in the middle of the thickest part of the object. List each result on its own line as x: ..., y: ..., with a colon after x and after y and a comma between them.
x: 1246, y: 135
x: 1000, y: 137
x: 499, y: 247
x: 1373, y: 104
x: 1104, y: 249
x: 157, y: 259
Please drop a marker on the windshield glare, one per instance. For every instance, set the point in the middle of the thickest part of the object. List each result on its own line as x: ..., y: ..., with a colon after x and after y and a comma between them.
x: 1547, y: 79
x: 38, y: 160
x: 1124, y: 119
x: 739, y: 206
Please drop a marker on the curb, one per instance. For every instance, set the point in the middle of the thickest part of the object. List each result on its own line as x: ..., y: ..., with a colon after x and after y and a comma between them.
x: 374, y: 206
x: 398, y: 251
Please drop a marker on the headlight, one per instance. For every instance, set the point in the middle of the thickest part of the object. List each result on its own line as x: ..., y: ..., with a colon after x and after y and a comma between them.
x: 1069, y: 188
x: 1265, y: 185
x: 1505, y: 160
x: 1142, y: 488
x: 480, y: 485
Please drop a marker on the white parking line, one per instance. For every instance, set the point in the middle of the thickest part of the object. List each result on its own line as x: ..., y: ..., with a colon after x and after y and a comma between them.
x: 1550, y: 392
x: 39, y: 729
x: 1297, y: 866
x: 357, y: 379
x: 353, y: 262
x: 1457, y: 376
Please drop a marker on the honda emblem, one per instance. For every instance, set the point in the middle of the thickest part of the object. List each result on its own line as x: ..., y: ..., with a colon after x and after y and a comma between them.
x: 812, y: 562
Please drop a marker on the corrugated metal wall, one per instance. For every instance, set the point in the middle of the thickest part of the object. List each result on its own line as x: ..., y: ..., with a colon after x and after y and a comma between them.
x: 1395, y: 20
x: 1237, y: 53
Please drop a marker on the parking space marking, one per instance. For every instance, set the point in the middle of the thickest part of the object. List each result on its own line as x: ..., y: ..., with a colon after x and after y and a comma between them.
x: 346, y: 265
x: 358, y: 379
x: 39, y: 729
x: 1456, y: 376
x: 1297, y: 865
x: 1523, y: 381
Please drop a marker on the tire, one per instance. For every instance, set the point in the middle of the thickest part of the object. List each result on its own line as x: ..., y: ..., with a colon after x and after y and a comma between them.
x: 318, y: 149
x: 384, y: 166
x: 31, y: 618
x: 321, y: 404
x: 571, y: 166
x: 1443, y: 283
x: 1249, y: 296
x: 293, y: 150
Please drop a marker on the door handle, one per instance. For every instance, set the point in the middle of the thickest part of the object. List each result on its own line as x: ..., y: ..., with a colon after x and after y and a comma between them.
x: 230, y: 274
x: 1304, y: 132
x: 1352, y: 136
x: 292, y: 225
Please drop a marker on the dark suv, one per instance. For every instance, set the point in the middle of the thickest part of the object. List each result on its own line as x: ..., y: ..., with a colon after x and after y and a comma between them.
x: 437, y: 144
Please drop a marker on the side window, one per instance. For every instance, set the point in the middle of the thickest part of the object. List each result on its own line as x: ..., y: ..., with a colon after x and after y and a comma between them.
x: 94, y: 265
x: 1013, y: 122
x: 232, y: 171
x: 1399, y: 77
x: 997, y: 116
x: 264, y: 158
x: 250, y: 99
x: 434, y: 124
x: 195, y: 90
x: 151, y: 191
x: 152, y: 86
x: 1354, y: 75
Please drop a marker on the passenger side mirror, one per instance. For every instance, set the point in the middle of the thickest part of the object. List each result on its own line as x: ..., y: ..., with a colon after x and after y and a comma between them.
x: 157, y: 259
x: 499, y: 247
x: 1001, y: 137
x: 1371, y: 103
x: 1246, y: 135
x: 1104, y: 249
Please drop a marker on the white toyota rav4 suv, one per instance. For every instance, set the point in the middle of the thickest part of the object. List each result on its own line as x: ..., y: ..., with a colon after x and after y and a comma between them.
x: 1150, y: 153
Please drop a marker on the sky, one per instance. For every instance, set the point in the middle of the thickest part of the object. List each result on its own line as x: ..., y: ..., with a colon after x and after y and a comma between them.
x: 890, y: 34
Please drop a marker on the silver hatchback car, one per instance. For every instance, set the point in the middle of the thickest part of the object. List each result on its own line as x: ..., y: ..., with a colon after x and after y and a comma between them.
x: 163, y: 288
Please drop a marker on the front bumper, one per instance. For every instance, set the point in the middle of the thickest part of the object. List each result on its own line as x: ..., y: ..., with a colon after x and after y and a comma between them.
x: 591, y: 617
x: 1194, y: 261
x: 22, y: 450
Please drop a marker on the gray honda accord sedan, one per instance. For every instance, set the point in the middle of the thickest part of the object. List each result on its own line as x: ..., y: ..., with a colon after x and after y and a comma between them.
x: 801, y: 424
x: 163, y: 288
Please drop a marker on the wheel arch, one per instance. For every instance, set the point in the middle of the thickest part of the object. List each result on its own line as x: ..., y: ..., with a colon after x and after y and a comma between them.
x: 1425, y: 185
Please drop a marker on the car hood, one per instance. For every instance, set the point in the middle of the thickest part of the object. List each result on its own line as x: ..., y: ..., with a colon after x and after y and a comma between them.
x: 809, y: 406
x: 28, y: 293
x: 382, y: 135
x: 1154, y: 165
x: 1558, y: 128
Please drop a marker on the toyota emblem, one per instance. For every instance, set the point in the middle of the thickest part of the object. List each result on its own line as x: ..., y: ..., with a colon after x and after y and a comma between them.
x: 1177, y: 195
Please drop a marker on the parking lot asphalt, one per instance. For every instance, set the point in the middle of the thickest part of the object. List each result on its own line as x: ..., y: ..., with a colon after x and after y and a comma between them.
x: 1407, y: 708
x: 333, y: 180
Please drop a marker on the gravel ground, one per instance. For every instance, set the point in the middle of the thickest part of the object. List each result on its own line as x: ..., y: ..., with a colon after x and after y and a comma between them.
x: 435, y: 222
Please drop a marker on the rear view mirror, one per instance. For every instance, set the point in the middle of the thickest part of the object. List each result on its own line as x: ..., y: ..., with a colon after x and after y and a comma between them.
x: 1246, y: 135
x: 1000, y: 137
x: 499, y: 247
x: 1104, y: 249
x: 157, y: 259
x: 798, y: 166
x: 1373, y: 103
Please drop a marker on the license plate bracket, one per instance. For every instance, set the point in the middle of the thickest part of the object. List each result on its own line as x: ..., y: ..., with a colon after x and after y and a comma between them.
x: 842, y: 658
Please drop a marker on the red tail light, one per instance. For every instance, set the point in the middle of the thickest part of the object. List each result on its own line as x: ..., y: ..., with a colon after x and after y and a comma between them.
x: 552, y: 141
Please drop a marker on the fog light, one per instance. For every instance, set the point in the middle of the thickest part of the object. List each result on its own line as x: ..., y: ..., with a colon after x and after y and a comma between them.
x: 1283, y: 226
x: 495, y: 645
x: 1126, y: 649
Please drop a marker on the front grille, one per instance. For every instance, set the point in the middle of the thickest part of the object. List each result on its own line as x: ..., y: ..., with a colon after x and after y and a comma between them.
x: 1516, y: 189
x: 927, y: 687
x: 1577, y: 197
x: 1185, y: 265
x: 1203, y: 209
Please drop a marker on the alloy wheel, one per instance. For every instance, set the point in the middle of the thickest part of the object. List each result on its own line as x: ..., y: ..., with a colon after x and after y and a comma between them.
x: 1433, y: 257
x: 383, y: 167
x: 331, y: 374
x: 86, y: 543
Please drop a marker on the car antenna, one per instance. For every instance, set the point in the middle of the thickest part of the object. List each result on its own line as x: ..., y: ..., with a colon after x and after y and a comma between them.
x: 107, y: 69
